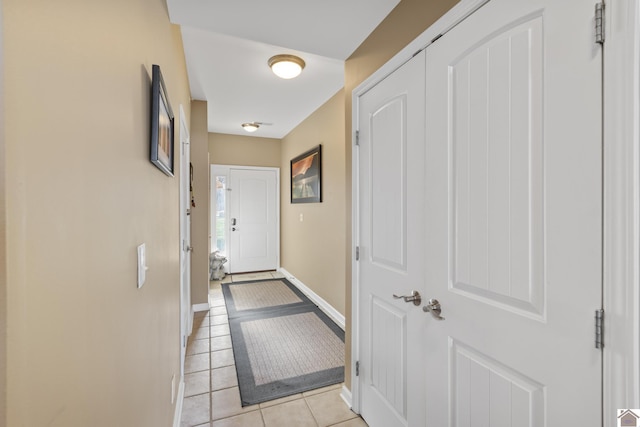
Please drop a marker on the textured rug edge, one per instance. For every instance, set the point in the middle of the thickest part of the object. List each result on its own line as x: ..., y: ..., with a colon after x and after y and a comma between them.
x: 285, y: 388
x: 250, y: 393
x: 232, y: 312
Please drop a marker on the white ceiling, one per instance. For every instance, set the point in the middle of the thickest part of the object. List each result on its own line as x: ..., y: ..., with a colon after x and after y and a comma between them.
x: 227, y: 45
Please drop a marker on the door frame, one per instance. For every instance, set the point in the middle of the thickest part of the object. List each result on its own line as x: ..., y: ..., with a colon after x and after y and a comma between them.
x: 621, y: 263
x: 186, y: 309
x: 212, y: 200
x: 621, y: 198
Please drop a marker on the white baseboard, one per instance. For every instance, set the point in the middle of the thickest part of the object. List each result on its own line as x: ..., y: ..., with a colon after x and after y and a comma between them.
x: 177, y: 416
x: 319, y: 301
x: 200, y: 307
x: 345, y: 394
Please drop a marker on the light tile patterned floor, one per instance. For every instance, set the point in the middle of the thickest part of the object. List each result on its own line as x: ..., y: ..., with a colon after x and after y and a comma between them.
x: 212, y: 398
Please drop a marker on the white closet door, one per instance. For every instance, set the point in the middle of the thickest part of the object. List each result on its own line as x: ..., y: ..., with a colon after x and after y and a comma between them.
x: 391, y: 228
x: 513, y: 217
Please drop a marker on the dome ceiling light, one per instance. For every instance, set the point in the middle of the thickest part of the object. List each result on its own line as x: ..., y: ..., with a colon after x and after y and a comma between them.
x: 286, y: 66
x: 250, y: 127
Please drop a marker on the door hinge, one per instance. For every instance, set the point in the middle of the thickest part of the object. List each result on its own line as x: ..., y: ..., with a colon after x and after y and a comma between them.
x: 600, y: 16
x: 600, y: 328
x: 357, y: 253
x: 357, y: 137
x: 357, y: 369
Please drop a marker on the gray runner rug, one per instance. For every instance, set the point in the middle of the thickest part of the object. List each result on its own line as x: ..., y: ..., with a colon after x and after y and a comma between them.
x: 283, y: 344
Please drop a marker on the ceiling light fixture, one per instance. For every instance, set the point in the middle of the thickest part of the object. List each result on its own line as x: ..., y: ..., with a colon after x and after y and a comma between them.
x: 286, y: 66
x: 250, y: 127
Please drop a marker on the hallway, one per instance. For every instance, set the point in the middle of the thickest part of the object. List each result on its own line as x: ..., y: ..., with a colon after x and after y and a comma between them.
x: 211, y: 387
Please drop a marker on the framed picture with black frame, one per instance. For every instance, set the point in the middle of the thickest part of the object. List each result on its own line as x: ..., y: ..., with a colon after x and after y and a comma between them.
x: 306, y: 176
x: 162, y: 123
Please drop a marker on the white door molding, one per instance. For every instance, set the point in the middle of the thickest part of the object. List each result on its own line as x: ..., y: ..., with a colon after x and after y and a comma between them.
x: 186, y: 313
x: 621, y: 208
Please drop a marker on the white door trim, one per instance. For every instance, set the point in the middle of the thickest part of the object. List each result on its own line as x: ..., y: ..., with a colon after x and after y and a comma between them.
x: 186, y: 313
x: 621, y: 384
x: 622, y: 208
x: 463, y: 9
x: 212, y: 196
x: 185, y: 288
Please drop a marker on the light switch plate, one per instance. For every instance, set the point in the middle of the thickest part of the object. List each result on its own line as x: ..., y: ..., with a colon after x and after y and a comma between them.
x: 142, y: 264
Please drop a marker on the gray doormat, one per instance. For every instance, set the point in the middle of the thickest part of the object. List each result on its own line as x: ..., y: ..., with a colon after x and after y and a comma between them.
x: 283, y: 344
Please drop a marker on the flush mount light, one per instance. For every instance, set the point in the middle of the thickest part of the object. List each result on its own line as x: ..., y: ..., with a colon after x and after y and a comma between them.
x: 250, y: 127
x: 286, y: 66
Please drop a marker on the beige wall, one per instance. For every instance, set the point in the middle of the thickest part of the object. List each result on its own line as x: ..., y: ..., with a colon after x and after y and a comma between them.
x: 407, y: 21
x: 3, y: 242
x: 200, y: 213
x: 85, y: 346
x: 242, y: 150
x: 313, y: 250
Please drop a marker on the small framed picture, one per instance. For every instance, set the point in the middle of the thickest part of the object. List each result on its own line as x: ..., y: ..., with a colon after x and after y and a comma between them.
x: 306, y: 177
x: 161, y: 124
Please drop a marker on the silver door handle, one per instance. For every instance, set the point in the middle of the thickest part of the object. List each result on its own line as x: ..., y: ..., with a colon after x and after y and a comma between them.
x: 414, y: 297
x: 433, y: 307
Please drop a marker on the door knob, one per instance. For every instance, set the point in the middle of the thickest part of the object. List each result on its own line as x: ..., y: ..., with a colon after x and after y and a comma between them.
x: 233, y: 229
x: 414, y: 297
x: 433, y: 307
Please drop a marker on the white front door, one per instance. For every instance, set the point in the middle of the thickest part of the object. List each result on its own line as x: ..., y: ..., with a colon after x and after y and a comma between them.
x: 185, y: 239
x: 391, y: 231
x: 513, y: 217
x: 253, y: 220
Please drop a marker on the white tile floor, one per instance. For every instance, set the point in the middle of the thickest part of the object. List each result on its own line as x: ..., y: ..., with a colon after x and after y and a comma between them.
x: 211, y: 387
